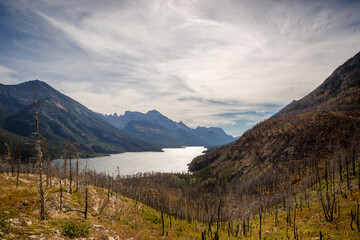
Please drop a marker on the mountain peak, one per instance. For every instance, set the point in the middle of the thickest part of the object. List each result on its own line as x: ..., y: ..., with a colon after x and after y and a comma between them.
x: 130, y: 113
x: 154, y: 112
x: 35, y: 82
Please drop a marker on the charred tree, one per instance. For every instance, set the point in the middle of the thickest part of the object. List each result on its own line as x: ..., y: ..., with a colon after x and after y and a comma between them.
x: 39, y: 159
x: 77, y: 168
x: 70, y: 165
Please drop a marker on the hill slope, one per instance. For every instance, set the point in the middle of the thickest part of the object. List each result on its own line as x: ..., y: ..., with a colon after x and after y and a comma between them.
x: 60, y: 118
x: 324, y: 123
x: 340, y: 92
x: 124, y: 218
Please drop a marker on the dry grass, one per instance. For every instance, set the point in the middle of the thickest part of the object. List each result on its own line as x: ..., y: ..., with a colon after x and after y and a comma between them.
x: 124, y: 218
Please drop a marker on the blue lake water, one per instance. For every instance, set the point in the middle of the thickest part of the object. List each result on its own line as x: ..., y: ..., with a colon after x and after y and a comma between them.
x: 129, y: 163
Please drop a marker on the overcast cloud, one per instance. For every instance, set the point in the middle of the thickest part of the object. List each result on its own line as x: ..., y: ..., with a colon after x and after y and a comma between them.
x: 211, y: 63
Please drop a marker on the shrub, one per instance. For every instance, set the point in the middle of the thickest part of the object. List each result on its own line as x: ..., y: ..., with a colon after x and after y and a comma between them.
x: 74, y: 229
x: 4, y: 226
x: 152, y: 218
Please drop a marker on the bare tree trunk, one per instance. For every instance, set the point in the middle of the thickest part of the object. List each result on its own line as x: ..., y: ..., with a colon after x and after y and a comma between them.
x: 117, y: 183
x: 260, y: 216
x: 1, y: 164
x: 77, y: 167
x: 359, y: 175
x: 106, y: 201
x: 170, y: 220
x: 18, y: 168
x: 355, y: 217
x: 329, y: 200
x: 218, y: 221
x: 12, y: 164
x: 61, y: 192
x: 48, y: 163
x: 353, y: 161
x: 39, y: 158
x: 340, y: 168
x: 86, y: 190
x: 348, y: 174
x: 70, y: 167
x: 7, y: 159
x: 65, y: 170
x: 86, y: 200
x: 162, y: 222
x: 28, y: 167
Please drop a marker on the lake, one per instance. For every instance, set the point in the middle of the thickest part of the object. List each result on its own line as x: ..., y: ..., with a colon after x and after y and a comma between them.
x: 170, y: 160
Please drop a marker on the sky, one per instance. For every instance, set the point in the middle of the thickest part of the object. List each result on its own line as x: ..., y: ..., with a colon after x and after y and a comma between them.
x: 211, y: 63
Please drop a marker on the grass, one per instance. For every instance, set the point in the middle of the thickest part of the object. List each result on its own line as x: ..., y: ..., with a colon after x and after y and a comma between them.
x: 74, y: 229
x: 124, y: 218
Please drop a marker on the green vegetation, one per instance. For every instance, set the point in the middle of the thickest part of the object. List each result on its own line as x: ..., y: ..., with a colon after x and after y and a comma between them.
x: 74, y: 229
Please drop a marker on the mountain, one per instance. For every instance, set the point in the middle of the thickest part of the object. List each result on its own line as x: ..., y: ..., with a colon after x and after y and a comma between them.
x: 153, y: 132
x: 213, y: 136
x: 322, y: 126
x: 157, y: 128
x: 61, y: 118
x: 338, y: 93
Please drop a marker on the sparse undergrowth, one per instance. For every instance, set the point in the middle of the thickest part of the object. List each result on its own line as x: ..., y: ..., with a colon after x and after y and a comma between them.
x: 124, y: 218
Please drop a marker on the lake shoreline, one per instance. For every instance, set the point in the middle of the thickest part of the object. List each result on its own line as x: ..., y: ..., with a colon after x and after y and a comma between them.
x: 132, y: 163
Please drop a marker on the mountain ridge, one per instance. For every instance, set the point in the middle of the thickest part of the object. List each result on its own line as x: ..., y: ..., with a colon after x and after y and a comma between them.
x: 60, y: 118
x: 179, y: 134
x: 341, y: 82
x: 324, y: 124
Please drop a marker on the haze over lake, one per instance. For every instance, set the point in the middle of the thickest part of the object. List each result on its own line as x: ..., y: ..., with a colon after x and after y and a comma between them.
x: 171, y: 160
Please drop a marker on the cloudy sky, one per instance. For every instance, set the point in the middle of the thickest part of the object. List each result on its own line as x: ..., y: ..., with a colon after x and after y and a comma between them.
x: 205, y: 62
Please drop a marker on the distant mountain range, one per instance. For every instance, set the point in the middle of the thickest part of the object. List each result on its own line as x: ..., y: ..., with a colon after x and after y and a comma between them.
x: 158, y: 129
x: 63, y: 118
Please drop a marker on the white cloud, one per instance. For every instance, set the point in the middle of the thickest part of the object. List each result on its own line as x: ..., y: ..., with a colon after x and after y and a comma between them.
x: 6, y: 75
x: 191, y: 60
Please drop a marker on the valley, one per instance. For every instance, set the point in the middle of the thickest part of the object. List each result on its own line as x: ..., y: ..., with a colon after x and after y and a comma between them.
x: 177, y: 119
x: 295, y: 175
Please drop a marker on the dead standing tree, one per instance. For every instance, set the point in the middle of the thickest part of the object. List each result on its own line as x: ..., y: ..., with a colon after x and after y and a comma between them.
x: 77, y: 167
x: 328, y: 195
x: 47, y: 160
x: 106, y: 200
x: 86, y: 195
x: 7, y: 159
x: 70, y: 167
x: 39, y: 159
x: 18, y: 164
